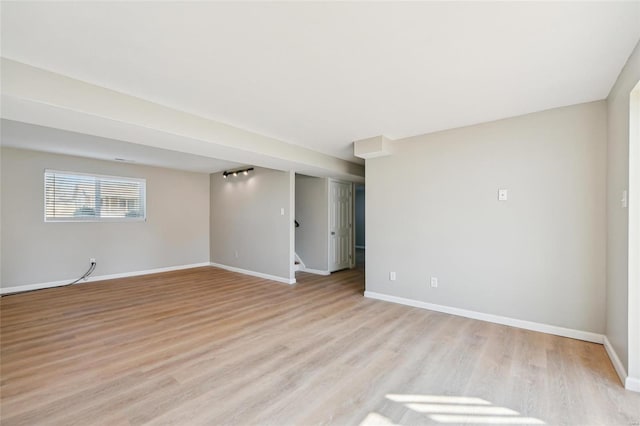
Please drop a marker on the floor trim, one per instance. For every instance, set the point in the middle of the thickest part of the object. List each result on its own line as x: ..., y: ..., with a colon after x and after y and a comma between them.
x: 51, y: 284
x: 632, y: 384
x: 253, y: 273
x: 615, y: 360
x: 513, y: 322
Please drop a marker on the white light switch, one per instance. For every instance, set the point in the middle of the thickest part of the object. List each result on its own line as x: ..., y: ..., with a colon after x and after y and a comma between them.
x: 624, y: 202
x: 392, y: 276
x: 502, y: 195
x: 281, y: 211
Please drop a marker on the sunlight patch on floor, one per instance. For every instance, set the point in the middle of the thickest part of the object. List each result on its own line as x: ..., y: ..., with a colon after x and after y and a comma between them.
x: 487, y: 420
x: 453, y: 409
x: 375, y: 419
x: 462, y: 409
x: 443, y: 399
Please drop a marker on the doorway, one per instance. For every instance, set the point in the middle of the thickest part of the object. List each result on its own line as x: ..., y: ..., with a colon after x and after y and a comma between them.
x: 359, y: 221
x: 340, y: 225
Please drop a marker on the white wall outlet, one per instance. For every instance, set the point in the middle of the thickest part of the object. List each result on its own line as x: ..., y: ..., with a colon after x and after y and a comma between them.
x: 92, y: 260
x: 624, y: 200
x: 392, y: 276
x: 235, y: 253
x: 502, y: 194
x: 434, y: 282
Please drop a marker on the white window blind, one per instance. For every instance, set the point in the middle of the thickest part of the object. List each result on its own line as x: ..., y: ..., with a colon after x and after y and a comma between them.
x: 70, y: 196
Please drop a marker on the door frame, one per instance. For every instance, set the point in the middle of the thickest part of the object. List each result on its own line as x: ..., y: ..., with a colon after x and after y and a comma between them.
x: 633, y: 204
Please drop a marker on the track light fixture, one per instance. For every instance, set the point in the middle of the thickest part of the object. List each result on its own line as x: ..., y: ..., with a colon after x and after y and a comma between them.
x: 236, y: 172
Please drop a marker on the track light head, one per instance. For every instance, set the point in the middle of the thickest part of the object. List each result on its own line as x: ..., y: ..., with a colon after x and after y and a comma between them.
x: 235, y: 173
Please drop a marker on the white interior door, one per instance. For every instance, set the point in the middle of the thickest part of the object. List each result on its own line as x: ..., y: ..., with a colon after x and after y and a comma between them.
x: 340, y: 235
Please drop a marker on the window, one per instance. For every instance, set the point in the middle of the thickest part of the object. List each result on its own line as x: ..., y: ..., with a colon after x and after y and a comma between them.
x: 70, y: 196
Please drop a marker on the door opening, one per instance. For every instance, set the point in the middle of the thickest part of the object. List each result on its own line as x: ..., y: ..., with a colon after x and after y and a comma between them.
x: 359, y: 221
x: 340, y: 225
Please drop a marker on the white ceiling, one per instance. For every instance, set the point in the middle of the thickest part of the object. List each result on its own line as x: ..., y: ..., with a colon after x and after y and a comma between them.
x: 324, y: 74
x: 39, y: 138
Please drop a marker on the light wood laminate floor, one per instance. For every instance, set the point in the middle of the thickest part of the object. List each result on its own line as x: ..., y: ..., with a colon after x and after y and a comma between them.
x: 207, y: 346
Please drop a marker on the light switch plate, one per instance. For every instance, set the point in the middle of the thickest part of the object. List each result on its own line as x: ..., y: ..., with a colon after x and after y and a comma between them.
x: 502, y: 195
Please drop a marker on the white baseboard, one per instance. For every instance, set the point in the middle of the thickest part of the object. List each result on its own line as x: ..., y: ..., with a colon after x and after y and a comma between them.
x: 615, y: 360
x: 632, y: 384
x: 513, y: 322
x: 254, y: 273
x: 39, y: 286
x: 316, y: 271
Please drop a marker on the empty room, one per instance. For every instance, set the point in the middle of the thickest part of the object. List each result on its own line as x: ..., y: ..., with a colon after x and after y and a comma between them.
x: 301, y: 213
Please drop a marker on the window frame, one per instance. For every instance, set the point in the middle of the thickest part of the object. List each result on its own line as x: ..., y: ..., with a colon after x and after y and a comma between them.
x: 97, y: 219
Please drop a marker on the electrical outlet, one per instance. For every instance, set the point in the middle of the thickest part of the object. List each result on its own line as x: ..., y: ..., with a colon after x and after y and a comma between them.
x: 236, y: 254
x: 92, y: 260
x: 392, y: 276
x: 434, y: 282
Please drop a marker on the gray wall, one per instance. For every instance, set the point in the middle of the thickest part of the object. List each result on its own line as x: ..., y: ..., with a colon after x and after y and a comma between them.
x: 245, y: 219
x: 35, y: 252
x: 312, y: 212
x: 617, y: 217
x: 359, y: 202
x: 432, y: 210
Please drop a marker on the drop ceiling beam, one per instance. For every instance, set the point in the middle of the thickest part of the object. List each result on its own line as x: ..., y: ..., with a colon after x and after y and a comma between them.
x: 36, y: 96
